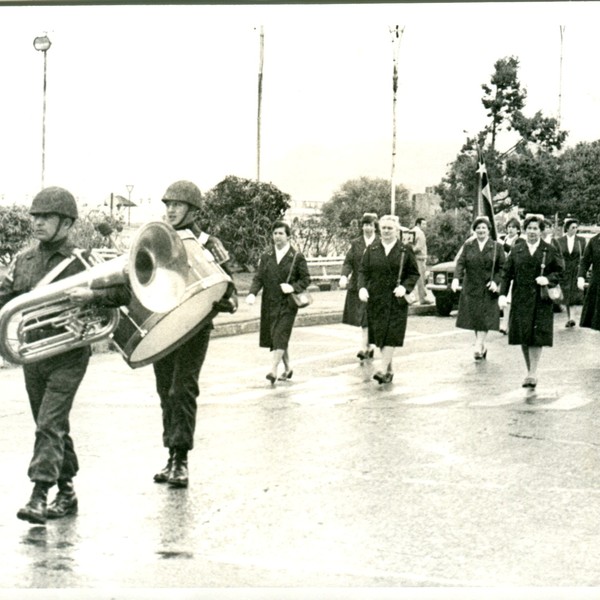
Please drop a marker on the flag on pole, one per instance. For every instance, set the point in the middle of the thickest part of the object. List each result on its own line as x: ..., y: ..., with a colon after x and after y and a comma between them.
x: 483, y: 205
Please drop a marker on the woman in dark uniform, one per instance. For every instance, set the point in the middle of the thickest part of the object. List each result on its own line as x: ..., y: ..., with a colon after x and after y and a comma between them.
x: 531, y: 266
x: 281, y: 271
x: 478, y: 264
x: 590, y: 313
x: 513, y: 235
x: 387, y: 273
x: 355, y: 312
x: 571, y: 247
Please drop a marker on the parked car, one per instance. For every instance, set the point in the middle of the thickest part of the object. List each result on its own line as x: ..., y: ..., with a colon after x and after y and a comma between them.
x: 439, y: 280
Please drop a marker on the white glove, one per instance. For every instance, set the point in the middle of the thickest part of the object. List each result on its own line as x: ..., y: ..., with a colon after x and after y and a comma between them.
x: 286, y: 288
x: 399, y: 291
x: 502, y: 302
x: 250, y: 299
x: 492, y: 287
x: 363, y: 294
x: 343, y: 282
x: 581, y: 283
x: 542, y: 280
x: 455, y: 284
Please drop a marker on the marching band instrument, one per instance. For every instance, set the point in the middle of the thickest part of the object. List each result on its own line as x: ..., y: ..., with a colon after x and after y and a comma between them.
x: 144, y: 337
x: 45, y: 322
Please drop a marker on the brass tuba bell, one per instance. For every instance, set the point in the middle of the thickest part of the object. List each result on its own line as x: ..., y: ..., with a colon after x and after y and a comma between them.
x: 155, y: 268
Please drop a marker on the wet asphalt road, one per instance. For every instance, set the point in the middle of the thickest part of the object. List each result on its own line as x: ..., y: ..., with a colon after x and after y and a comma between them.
x: 451, y: 477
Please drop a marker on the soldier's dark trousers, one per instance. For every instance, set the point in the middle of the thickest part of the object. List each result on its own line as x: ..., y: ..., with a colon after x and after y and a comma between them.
x: 177, y: 386
x: 51, y: 385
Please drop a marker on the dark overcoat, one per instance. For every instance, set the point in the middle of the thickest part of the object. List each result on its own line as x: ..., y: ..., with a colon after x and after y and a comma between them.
x: 386, y: 314
x: 568, y: 280
x: 355, y: 311
x: 531, y: 316
x: 478, y: 307
x: 590, y: 313
x: 277, y: 314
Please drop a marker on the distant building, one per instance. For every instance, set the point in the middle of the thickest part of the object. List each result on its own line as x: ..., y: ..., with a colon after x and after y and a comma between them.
x: 300, y: 209
x: 426, y: 205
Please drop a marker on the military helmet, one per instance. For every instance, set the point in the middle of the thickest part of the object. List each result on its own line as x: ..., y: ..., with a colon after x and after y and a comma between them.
x: 54, y: 200
x: 184, y: 191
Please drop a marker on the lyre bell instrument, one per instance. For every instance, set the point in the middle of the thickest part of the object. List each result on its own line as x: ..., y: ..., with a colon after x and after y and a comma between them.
x: 45, y: 322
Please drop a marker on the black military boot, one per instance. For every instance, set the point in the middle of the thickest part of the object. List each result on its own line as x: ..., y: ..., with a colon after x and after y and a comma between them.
x: 35, y: 510
x: 163, y: 475
x: 179, y: 472
x: 65, y: 502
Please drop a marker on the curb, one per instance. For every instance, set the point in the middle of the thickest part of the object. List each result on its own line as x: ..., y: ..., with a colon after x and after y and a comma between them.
x: 302, y: 320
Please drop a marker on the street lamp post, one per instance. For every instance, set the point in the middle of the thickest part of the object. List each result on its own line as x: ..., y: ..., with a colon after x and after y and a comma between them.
x: 42, y: 43
x: 129, y: 188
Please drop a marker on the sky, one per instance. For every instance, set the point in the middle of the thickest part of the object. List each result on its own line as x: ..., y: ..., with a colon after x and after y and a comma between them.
x: 146, y: 95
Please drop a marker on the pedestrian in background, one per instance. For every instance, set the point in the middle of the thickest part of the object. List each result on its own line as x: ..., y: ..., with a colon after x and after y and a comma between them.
x: 355, y: 311
x: 420, y: 251
x: 571, y: 247
x: 478, y: 264
x: 281, y: 271
x: 52, y: 382
x: 531, y: 267
x: 178, y: 372
x: 513, y: 235
x: 590, y: 313
x: 387, y: 273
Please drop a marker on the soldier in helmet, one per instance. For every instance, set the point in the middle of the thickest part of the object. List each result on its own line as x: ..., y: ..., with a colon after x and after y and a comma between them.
x: 177, y: 373
x: 51, y: 383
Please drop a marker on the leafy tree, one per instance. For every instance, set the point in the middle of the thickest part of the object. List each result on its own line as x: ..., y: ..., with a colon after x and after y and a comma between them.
x: 446, y: 232
x: 503, y: 96
x: 580, y: 178
x: 15, y: 231
x: 241, y: 213
x: 365, y: 194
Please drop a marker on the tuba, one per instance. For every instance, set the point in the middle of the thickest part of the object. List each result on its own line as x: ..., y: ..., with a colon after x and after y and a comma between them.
x: 45, y: 322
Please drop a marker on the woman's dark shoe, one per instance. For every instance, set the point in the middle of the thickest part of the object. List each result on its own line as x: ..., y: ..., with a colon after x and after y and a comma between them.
x: 379, y: 376
x: 370, y: 353
x: 569, y: 324
x: 271, y: 378
x: 361, y: 355
x: 529, y: 382
x: 478, y: 356
x: 484, y: 354
x: 286, y: 375
x: 388, y: 377
x: 503, y: 331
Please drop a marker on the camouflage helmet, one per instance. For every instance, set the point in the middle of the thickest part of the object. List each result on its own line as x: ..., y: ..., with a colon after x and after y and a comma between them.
x: 55, y: 200
x: 184, y: 191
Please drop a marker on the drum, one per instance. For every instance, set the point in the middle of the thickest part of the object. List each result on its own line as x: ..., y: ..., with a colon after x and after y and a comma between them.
x: 143, y: 337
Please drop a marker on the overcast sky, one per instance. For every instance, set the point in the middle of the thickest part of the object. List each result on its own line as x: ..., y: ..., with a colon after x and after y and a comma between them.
x: 145, y: 95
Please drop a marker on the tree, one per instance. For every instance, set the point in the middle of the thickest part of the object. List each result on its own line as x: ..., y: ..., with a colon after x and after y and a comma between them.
x: 446, y: 233
x: 580, y: 179
x: 240, y: 212
x: 365, y: 194
x: 15, y: 228
x: 503, y: 96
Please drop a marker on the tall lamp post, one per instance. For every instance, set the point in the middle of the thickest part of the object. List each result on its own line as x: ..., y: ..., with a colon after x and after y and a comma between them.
x: 42, y: 43
x: 129, y: 188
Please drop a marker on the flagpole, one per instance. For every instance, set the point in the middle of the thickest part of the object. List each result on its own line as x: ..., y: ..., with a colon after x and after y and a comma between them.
x: 259, y: 112
x: 396, y: 37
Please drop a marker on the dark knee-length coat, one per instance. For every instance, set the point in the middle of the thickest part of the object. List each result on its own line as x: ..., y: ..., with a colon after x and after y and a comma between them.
x: 531, y: 316
x: 590, y: 313
x: 568, y: 280
x: 386, y: 314
x: 478, y: 307
x: 355, y: 311
x: 277, y: 315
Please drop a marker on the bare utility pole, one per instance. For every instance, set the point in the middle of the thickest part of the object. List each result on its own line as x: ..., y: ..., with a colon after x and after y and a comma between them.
x: 396, y: 37
x: 562, y: 31
x: 258, y: 118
